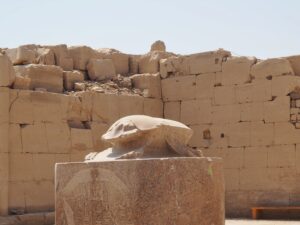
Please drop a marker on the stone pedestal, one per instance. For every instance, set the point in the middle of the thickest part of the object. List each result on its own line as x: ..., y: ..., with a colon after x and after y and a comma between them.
x: 165, y: 191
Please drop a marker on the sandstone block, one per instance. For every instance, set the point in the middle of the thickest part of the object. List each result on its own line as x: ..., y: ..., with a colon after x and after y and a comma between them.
x: 282, y: 156
x: 232, y: 179
x: 4, y: 171
x: 224, y: 95
x: 226, y: 114
x: 244, y: 93
x: 149, y: 63
x: 239, y: 134
x: 44, y: 164
x: 77, y: 107
x: 236, y: 70
x: 122, y: 188
x: 81, y: 139
x: 98, y: 129
x: 179, y: 88
x: 71, y: 77
x: 16, y: 196
x: 205, y: 85
x: 21, y: 167
x: 22, y: 83
x: 233, y: 158
x: 20, y: 101
x: 206, y: 62
x: 22, y: 55
x: 4, y: 136
x: 7, y: 74
x: 130, y: 105
x: 45, y: 56
x: 58, y: 137
x: 81, y: 56
x: 149, y: 83
x: 119, y: 59
x: 253, y: 111
x: 262, y: 90
x: 202, y: 136
x: 4, y: 104
x: 34, y: 138
x: 44, y: 76
x: 255, y: 179
x: 172, y: 110
x: 255, y: 157
x: 297, y: 158
x: 262, y: 134
x: 134, y: 64
x: 295, y: 63
x: 15, y: 141
x: 283, y: 85
x: 271, y: 68
x: 153, y: 107
x: 173, y: 66
x: 158, y: 46
x: 219, y: 136
x: 101, y: 69
x: 285, y: 133
x: 62, y: 56
x: 277, y: 110
x: 196, y: 112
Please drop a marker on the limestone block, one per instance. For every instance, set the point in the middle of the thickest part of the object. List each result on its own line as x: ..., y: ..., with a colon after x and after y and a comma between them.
x: 295, y: 63
x: 285, y: 133
x: 22, y: 55
x: 119, y: 59
x: 34, y: 138
x: 81, y: 56
x: 15, y: 141
x: 256, y: 157
x: 232, y: 179
x: 127, y: 197
x: 46, y: 106
x: 4, y: 104
x: 39, y: 196
x: 236, y: 70
x: 196, y: 112
x: 21, y: 167
x: 62, y: 56
x: 44, y: 76
x: 149, y: 63
x: 101, y: 69
x: 277, y: 110
x: 172, y: 110
x: 233, y: 158
x: 226, y: 114
x: 7, y: 74
x: 199, y: 138
x: 71, y: 77
x: 271, y: 68
x: 262, y: 90
x: 282, y: 156
x: 262, y: 134
x: 205, y: 85
x: 149, y: 83
x: 58, y: 137
x: 130, y: 105
x: 153, y: 107
x: 207, y: 62
x: 20, y: 101
x: 81, y: 139
x: 244, y: 93
x: 98, y: 129
x: 224, y: 95
x: 239, y: 134
x: 179, y: 88
x: 134, y: 64
x: 22, y: 83
x: 174, y: 66
x: 283, y: 85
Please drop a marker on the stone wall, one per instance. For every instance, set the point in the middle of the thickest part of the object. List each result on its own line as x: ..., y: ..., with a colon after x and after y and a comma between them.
x: 56, y: 101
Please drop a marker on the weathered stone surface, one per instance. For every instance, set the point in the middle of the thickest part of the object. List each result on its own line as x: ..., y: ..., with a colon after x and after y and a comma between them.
x: 62, y: 56
x: 7, y: 73
x: 71, y: 77
x: 158, y: 46
x: 175, y: 65
x: 120, y: 60
x: 81, y: 56
x: 149, y: 63
x: 177, y: 191
x: 22, y: 55
x: 101, y: 69
x: 148, y: 83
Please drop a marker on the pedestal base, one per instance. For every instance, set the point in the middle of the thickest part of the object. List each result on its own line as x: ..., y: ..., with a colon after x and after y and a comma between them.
x: 167, y: 191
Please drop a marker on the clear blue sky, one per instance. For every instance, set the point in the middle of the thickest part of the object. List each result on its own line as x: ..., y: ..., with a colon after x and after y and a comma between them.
x: 262, y: 28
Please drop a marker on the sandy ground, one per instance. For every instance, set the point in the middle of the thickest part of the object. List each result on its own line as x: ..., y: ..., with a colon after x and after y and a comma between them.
x: 260, y: 222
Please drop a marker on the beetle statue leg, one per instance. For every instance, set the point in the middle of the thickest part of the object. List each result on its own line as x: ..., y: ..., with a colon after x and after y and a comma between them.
x: 182, y: 149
